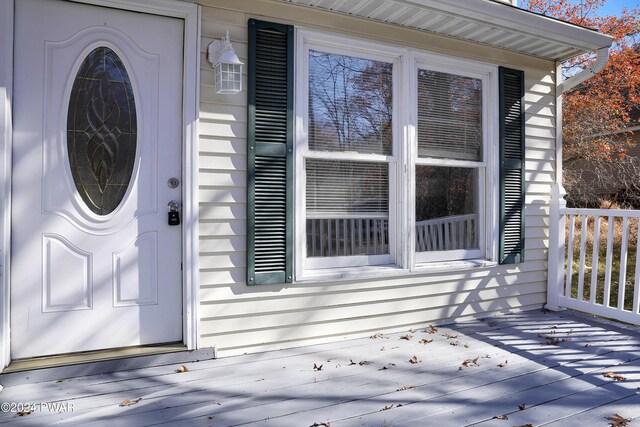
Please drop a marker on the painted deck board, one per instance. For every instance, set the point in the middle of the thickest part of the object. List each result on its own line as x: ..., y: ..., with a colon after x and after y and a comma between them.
x: 555, y: 366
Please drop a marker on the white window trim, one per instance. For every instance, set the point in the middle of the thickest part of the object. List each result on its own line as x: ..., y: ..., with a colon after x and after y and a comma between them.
x: 402, y: 258
x: 487, y: 167
x: 312, y: 40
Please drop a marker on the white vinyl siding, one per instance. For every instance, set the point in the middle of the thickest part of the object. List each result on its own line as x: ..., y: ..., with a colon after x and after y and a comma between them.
x: 237, y: 318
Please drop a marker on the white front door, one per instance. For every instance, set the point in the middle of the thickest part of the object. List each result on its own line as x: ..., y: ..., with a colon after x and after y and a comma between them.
x: 96, y: 161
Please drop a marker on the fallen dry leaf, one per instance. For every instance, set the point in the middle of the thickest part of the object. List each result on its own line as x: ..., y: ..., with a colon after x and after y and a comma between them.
x: 414, y: 359
x: 182, y: 369
x: 24, y: 412
x: 364, y: 362
x: 128, y: 402
x: 407, y: 387
x: 425, y: 341
x: 469, y: 362
x: 525, y: 425
x: 617, y: 420
x: 377, y: 335
x: 387, y: 407
x: 406, y: 337
x: 522, y: 406
x: 382, y: 348
x: 501, y: 417
x: 317, y: 368
x: 431, y: 329
x: 503, y: 364
x: 320, y: 425
x: 615, y: 377
x: 454, y: 343
x: 449, y: 336
x: 553, y: 340
x: 351, y: 362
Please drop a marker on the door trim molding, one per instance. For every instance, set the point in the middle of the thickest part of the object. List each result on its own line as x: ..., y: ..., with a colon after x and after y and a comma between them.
x: 6, y: 138
x: 190, y: 13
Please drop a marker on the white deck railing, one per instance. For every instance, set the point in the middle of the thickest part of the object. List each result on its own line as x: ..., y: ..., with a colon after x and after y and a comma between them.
x: 599, y: 262
x: 370, y: 236
x: 347, y: 236
x: 446, y: 233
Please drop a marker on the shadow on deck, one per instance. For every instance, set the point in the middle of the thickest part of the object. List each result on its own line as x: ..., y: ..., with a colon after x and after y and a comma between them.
x: 530, y: 368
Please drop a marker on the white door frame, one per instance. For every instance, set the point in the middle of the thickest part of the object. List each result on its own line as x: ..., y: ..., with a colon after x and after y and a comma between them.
x: 190, y: 13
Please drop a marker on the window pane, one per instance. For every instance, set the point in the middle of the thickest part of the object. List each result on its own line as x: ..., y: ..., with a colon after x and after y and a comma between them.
x: 102, y: 131
x: 446, y: 208
x: 350, y: 103
x: 347, y: 208
x: 449, y: 116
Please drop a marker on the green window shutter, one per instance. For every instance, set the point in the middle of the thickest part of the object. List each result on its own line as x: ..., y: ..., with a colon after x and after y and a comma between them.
x: 270, y: 154
x: 511, y: 166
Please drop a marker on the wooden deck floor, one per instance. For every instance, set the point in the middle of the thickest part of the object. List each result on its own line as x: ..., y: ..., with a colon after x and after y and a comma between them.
x: 521, y: 369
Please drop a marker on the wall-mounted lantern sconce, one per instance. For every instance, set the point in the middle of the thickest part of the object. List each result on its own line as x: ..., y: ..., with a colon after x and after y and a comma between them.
x: 226, y: 66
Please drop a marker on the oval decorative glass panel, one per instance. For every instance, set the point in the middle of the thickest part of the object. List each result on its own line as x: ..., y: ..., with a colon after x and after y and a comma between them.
x: 102, y: 131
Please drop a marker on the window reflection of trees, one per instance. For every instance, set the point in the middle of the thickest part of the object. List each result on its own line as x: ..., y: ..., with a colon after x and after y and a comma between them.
x: 350, y: 104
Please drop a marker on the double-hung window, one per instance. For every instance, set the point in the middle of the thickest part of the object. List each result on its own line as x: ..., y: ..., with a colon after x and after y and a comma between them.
x: 400, y: 158
x: 346, y: 159
x: 451, y: 163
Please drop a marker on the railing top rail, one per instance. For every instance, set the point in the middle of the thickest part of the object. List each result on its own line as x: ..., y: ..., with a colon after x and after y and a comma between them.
x: 452, y: 218
x: 628, y: 213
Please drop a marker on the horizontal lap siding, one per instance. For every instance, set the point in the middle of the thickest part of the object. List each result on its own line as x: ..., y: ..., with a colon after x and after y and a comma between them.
x: 237, y: 318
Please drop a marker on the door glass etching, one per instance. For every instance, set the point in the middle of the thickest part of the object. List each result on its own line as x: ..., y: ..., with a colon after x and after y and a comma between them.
x: 102, y: 131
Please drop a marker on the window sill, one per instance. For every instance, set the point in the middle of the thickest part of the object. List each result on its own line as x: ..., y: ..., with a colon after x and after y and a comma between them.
x: 453, y: 265
x: 322, y: 275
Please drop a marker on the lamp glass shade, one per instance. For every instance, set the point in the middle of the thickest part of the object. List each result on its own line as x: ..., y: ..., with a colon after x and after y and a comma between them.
x: 228, y: 77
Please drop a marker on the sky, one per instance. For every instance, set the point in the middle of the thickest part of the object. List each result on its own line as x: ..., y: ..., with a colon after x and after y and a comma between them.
x: 612, y: 7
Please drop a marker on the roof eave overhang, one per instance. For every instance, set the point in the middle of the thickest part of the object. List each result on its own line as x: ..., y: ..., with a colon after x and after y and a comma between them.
x: 482, y: 21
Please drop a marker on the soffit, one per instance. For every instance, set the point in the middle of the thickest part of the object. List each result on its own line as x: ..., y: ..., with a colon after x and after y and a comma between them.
x: 487, y: 22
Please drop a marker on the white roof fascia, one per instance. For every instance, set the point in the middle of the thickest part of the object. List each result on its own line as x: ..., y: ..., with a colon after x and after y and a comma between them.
x: 520, y: 20
x: 494, y: 24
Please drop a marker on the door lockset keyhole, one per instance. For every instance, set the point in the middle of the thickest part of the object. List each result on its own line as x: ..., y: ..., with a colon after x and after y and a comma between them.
x: 174, y: 214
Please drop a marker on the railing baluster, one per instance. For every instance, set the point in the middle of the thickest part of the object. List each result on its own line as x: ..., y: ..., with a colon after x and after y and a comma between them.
x: 583, y: 250
x: 360, y: 236
x: 368, y: 235
x: 322, y: 253
x: 636, y: 283
x: 344, y: 235
x: 572, y: 223
x: 623, y: 263
x: 314, y: 237
x: 609, y: 261
x: 595, y: 260
x: 353, y: 236
x: 454, y: 236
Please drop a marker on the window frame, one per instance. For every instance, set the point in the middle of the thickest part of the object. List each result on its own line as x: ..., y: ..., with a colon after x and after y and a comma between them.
x: 402, y: 255
x: 307, y: 40
x: 487, y: 191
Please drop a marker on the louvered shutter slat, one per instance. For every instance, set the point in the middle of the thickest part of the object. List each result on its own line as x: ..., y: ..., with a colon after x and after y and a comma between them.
x: 270, y: 161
